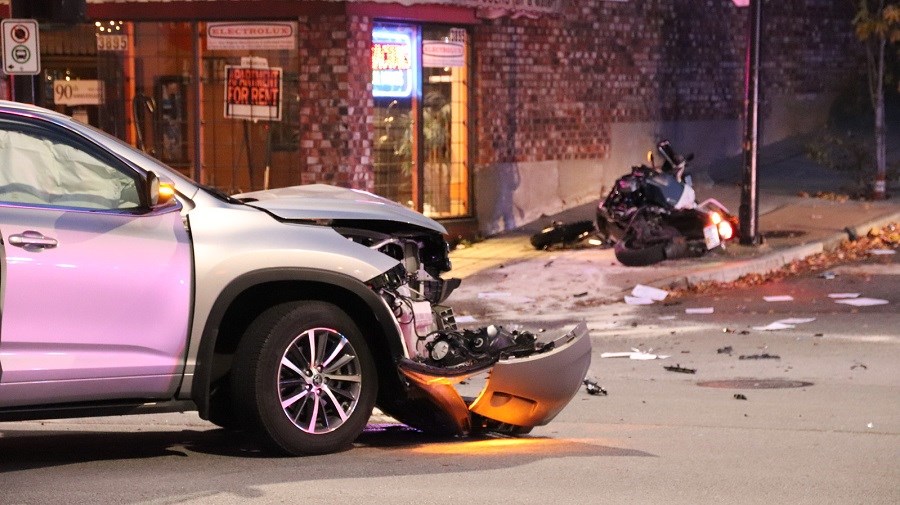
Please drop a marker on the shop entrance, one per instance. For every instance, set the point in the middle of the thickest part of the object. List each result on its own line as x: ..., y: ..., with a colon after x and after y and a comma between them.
x: 420, y: 85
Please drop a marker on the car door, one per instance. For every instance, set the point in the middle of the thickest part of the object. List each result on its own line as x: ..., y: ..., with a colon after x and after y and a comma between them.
x: 95, y: 285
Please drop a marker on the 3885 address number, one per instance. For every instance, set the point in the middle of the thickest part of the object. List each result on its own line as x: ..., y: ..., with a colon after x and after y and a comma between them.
x: 112, y: 42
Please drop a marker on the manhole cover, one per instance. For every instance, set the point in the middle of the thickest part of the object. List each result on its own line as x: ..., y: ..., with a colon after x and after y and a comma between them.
x: 783, y: 234
x: 754, y: 384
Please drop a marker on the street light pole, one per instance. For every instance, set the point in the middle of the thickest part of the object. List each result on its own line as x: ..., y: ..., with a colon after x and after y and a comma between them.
x: 749, y: 212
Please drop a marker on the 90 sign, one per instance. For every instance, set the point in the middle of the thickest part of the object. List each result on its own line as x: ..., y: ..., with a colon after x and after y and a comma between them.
x: 112, y: 42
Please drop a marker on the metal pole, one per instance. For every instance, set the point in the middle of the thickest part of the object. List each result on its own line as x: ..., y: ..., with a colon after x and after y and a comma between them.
x: 749, y: 212
x: 23, y: 86
x: 197, y: 81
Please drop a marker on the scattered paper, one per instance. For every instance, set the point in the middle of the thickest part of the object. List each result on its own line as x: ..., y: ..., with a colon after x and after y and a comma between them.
x: 774, y: 326
x: 828, y: 275
x: 699, y: 310
x: 882, y: 252
x: 843, y: 295
x: 779, y: 298
x: 796, y: 320
x: 862, y: 302
x: 465, y: 319
x: 652, y: 293
x: 637, y: 300
x: 634, y: 354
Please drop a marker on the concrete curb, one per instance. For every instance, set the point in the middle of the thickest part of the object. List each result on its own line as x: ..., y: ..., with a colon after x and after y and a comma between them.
x: 730, y: 271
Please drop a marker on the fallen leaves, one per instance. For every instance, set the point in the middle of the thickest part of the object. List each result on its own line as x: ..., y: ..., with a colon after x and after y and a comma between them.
x: 848, y: 251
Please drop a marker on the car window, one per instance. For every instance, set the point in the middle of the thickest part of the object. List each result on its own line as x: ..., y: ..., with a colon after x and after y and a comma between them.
x: 40, y: 169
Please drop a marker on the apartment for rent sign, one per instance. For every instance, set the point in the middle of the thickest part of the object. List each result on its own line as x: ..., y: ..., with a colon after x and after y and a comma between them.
x: 253, y: 92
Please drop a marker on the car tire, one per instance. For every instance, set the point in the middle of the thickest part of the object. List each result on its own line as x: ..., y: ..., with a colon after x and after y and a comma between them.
x: 304, y: 378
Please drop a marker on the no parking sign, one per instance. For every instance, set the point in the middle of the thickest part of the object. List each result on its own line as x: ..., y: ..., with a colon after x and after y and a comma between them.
x: 21, y: 51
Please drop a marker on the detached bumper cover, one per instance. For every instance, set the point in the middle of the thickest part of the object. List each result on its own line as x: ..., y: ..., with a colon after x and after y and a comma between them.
x: 531, y: 391
x: 522, y: 391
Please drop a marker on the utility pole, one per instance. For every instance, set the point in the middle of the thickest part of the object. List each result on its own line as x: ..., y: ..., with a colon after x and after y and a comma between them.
x: 23, y: 86
x: 749, y: 211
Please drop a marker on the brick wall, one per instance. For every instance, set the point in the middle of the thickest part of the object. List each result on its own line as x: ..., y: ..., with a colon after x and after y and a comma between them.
x: 336, y: 104
x: 549, y: 88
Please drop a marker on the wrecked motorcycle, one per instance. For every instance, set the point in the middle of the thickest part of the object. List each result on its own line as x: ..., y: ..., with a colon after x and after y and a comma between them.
x: 651, y: 214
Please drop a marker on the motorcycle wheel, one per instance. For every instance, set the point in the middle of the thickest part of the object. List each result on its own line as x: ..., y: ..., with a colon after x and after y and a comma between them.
x: 639, y: 257
x: 647, y: 241
x: 560, y: 233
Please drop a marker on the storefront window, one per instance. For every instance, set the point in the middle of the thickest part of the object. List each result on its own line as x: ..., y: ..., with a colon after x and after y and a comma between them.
x: 420, y: 86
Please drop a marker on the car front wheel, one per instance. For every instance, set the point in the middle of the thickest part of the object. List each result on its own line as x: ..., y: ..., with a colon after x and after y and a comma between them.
x: 304, y: 378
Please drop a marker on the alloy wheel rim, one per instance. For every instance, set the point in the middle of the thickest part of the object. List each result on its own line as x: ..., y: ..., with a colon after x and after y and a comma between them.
x: 319, y: 380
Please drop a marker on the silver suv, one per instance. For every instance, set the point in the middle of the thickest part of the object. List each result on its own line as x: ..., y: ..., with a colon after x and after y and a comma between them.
x: 128, y: 288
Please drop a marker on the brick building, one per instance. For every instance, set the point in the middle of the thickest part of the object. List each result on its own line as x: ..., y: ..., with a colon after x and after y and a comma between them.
x: 481, y: 113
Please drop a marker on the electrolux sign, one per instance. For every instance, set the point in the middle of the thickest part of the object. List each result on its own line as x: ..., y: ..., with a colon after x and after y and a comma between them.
x: 393, y: 62
x: 251, y: 36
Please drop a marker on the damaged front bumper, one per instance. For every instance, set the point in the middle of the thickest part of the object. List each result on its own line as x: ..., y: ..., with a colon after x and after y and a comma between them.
x: 527, y: 385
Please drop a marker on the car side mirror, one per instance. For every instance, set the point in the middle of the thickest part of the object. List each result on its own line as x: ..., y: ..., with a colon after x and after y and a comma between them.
x: 159, y: 192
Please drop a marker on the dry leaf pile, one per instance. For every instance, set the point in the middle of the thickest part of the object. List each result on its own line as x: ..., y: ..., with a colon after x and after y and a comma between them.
x: 849, y: 251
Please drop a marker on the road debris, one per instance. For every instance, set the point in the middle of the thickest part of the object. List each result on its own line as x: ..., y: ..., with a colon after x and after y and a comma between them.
x: 779, y: 298
x: 699, y: 310
x: 594, y: 389
x: 760, y: 356
x: 635, y: 300
x: 828, y: 275
x: 680, y: 369
x: 882, y: 252
x: 739, y: 396
x: 725, y: 350
x: 774, y: 326
x: 859, y: 365
x: 636, y: 354
x: 862, y: 302
x: 840, y: 296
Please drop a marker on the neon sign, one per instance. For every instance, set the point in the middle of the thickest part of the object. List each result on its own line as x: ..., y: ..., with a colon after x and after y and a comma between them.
x: 393, y: 62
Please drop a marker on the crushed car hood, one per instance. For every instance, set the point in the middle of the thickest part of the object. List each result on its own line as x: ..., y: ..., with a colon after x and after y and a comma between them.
x: 321, y: 201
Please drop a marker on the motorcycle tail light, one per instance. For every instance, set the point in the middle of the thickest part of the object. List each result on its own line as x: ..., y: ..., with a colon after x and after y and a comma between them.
x: 725, y: 230
x: 715, y: 217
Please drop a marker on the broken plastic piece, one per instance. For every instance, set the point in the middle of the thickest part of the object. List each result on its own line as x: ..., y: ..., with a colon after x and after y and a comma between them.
x: 594, y: 389
x: 634, y: 354
x: 760, y: 356
x: 680, y: 369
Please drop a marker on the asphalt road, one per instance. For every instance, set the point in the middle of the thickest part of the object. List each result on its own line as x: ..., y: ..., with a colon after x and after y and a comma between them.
x: 830, y: 433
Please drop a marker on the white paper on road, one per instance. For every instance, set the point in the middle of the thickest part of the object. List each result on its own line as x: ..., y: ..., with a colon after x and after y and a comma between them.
x: 633, y: 354
x: 862, y: 302
x: 655, y: 294
x: 779, y: 298
x: 828, y: 275
x: 666, y: 318
x: 795, y: 320
x: 774, y: 326
x: 843, y: 295
x: 882, y: 252
x: 502, y: 295
x: 638, y: 300
x: 699, y: 310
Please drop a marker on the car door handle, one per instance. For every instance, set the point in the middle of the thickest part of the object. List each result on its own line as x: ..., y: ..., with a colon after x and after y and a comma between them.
x: 32, y: 241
